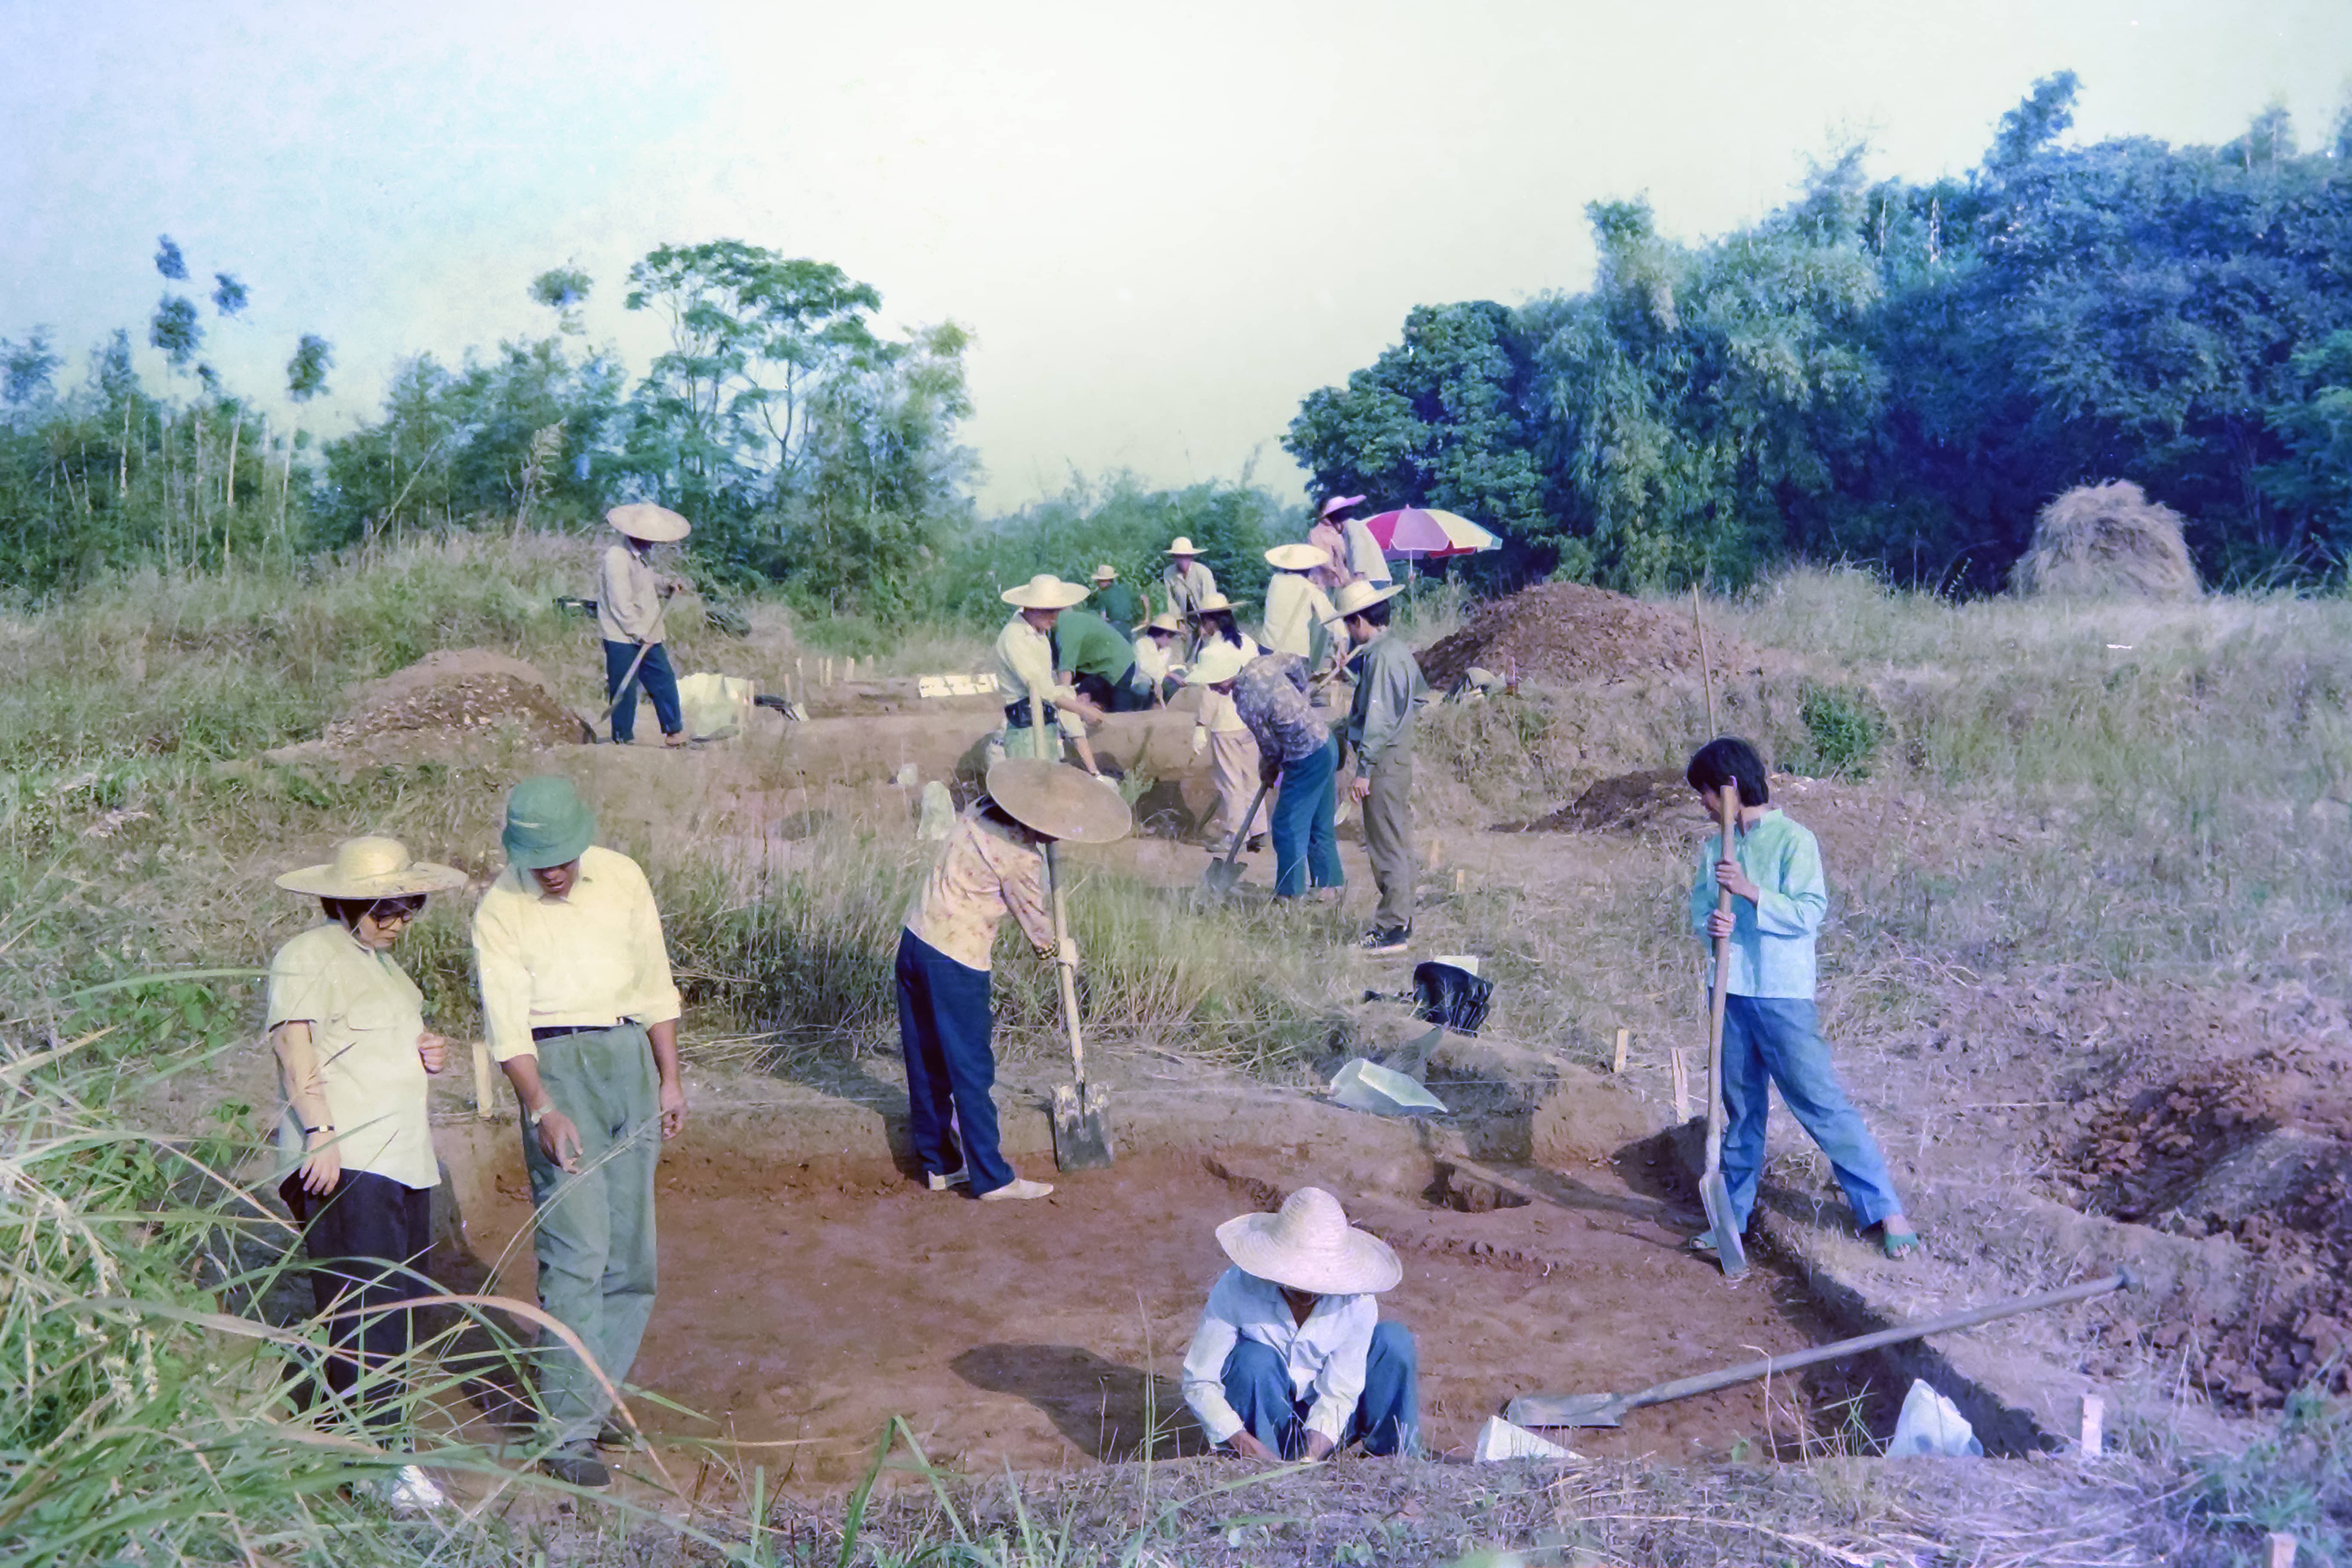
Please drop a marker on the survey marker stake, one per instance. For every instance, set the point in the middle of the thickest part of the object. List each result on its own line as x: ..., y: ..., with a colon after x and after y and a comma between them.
x: 1713, y: 1191
x: 1610, y: 1409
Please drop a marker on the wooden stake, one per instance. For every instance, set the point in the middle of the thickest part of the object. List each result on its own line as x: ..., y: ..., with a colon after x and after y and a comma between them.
x: 1705, y: 669
x: 483, y: 1095
x: 2282, y: 1548
x: 848, y: 669
x: 1461, y: 881
x: 1682, y: 1087
x: 2094, y: 1419
x: 1624, y: 1036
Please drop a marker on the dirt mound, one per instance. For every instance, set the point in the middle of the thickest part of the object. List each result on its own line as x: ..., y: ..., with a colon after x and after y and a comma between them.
x: 456, y: 691
x: 1628, y: 802
x: 1566, y: 632
x: 2107, y: 540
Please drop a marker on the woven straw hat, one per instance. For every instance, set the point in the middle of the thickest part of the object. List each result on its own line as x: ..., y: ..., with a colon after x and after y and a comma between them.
x: 1339, y: 503
x: 1043, y: 592
x: 1211, y: 604
x: 372, y: 868
x: 1059, y: 801
x: 1165, y: 621
x: 1184, y: 546
x: 1360, y: 596
x: 655, y: 524
x: 1217, y: 662
x: 1297, y: 557
x: 1106, y: 572
x: 1310, y: 1246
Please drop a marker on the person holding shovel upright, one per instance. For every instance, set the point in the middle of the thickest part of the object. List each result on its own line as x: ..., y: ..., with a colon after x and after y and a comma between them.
x: 1291, y: 1360
x: 348, y: 1026
x: 629, y: 603
x: 1380, y: 736
x: 989, y: 866
x: 1296, y: 755
x: 1025, y: 663
x: 581, y: 1013
x: 1771, y: 1032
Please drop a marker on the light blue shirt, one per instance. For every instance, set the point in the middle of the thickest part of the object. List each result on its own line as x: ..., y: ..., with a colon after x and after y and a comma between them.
x: 1771, y: 948
x: 1326, y: 1353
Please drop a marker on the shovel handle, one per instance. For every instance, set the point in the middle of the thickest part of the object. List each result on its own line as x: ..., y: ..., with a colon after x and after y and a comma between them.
x: 636, y: 664
x: 1241, y: 829
x: 1066, y: 970
x: 1727, y: 818
x: 1708, y: 1383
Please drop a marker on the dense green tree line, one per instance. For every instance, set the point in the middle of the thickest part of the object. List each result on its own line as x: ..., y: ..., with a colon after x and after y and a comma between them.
x: 1901, y: 373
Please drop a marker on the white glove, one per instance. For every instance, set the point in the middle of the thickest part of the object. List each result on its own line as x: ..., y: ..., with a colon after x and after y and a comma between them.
x: 1199, y: 739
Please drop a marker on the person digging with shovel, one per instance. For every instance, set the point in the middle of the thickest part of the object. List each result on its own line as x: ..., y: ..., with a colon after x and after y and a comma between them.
x: 990, y: 866
x: 629, y: 602
x: 1296, y: 755
x: 1291, y: 1361
x: 1772, y: 1031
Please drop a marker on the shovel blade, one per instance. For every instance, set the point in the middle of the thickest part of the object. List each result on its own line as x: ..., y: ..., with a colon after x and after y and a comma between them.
x: 1081, y: 1127
x: 1222, y: 877
x: 1728, y: 1248
x: 1566, y: 1410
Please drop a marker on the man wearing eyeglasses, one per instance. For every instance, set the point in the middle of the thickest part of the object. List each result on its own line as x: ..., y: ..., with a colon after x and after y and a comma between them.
x: 581, y: 1013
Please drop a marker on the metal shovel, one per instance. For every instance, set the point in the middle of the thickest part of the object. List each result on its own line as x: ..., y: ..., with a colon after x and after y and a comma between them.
x: 1610, y: 1409
x: 1713, y: 1191
x: 1081, y: 1109
x: 1222, y: 877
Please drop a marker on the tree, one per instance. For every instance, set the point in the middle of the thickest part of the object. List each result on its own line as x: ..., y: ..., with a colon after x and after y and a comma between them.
x: 306, y: 373
x: 229, y: 296
x: 722, y: 420
x: 2046, y: 113
x: 168, y: 259
x: 28, y: 370
x: 175, y: 330
x: 563, y: 289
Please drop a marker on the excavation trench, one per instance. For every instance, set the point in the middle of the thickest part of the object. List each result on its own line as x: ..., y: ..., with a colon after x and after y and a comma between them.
x: 810, y: 1291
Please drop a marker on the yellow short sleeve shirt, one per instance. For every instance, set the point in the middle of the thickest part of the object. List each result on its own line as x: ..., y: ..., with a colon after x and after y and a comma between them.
x: 365, y: 1016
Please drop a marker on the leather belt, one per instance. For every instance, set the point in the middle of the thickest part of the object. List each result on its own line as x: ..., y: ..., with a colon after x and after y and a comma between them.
x: 557, y: 1031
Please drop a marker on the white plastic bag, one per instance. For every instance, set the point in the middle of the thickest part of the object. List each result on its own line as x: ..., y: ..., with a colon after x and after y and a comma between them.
x: 1360, y: 1086
x: 1931, y: 1423
x: 714, y: 707
x: 1498, y: 1440
x: 938, y: 812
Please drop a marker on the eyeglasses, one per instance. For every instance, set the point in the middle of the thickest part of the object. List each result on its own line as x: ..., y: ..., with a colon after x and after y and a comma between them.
x: 385, y: 910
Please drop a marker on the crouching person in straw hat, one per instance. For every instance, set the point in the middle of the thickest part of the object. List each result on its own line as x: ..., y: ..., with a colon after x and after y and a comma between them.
x: 989, y: 867
x: 629, y: 603
x: 1025, y: 666
x: 353, y: 1053
x: 582, y: 1015
x: 1291, y: 1360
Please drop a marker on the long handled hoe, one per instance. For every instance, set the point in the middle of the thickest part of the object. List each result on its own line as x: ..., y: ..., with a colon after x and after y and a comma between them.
x: 1713, y: 1191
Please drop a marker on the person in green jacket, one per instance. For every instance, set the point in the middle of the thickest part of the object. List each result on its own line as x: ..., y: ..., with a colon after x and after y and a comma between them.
x: 1099, y: 661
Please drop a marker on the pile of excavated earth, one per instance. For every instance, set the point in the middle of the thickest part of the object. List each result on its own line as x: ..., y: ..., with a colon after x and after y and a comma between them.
x: 1563, y: 633
x: 456, y: 692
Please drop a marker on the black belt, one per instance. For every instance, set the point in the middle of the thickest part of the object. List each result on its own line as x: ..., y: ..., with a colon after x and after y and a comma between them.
x: 557, y: 1031
x: 1016, y: 715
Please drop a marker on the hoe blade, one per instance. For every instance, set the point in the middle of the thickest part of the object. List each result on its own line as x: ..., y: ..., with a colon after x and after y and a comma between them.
x: 1566, y: 1410
x: 1081, y: 1126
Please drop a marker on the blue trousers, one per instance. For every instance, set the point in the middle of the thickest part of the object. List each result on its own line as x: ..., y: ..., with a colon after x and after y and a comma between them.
x: 1387, y: 1414
x: 1771, y: 1040
x: 1305, y: 838
x: 659, y: 682
x: 943, y: 1031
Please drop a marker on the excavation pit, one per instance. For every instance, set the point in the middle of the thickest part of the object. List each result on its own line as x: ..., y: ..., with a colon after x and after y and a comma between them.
x: 808, y: 1298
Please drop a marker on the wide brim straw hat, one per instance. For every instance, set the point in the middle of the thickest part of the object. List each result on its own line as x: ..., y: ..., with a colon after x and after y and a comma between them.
x: 1165, y: 621
x: 1213, y: 604
x: 1297, y: 557
x: 1059, y: 801
x: 1184, y: 546
x: 547, y: 824
x: 1339, y: 503
x: 1310, y: 1246
x: 654, y: 524
x: 1363, y: 595
x: 1215, y: 664
x: 1045, y: 592
x: 1106, y: 572
x: 373, y: 867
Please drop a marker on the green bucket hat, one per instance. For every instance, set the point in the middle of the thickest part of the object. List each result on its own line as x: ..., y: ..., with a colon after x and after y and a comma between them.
x: 547, y: 824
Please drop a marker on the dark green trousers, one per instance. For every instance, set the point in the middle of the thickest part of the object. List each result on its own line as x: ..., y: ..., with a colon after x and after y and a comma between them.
x: 1388, y: 842
x: 595, y: 1227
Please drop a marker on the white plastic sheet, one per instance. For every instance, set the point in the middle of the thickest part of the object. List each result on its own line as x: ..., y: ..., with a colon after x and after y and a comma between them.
x: 1498, y: 1440
x: 1932, y: 1424
x: 1360, y: 1086
x: 715, y: 707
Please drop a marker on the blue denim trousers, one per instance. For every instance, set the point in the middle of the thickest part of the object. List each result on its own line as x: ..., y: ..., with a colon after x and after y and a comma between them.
x: 1305, y: 837
x: 654, y: 678
x: 1386, y: 1419
x: 944, y: 1028
x: 1771, y: 1040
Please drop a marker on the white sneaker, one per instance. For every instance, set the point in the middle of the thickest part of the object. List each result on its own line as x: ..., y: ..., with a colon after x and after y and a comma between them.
x: 958, y: 1177
x: 1015, y: 1190
x: 409, y: 1490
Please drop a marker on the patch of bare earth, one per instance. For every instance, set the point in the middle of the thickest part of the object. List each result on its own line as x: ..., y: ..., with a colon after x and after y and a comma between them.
x: 1563, y: 633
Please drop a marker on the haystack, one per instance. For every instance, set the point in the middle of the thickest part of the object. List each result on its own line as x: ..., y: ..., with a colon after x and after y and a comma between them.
x: 2107, y: 540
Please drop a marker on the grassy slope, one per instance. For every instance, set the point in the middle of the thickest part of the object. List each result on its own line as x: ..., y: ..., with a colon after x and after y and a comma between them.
x: 2133, y: 794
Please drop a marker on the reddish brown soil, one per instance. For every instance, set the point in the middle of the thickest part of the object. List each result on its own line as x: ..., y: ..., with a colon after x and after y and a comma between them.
x: 805, y: 1305
x: 456, y: 691
x: 1629, y: 802
x: 1567, y: 632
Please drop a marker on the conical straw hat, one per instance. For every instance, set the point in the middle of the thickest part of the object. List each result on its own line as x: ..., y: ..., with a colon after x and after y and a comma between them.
x: 1184, y: 546
x: 1217, y: 662
x: 372, y: 868
x: 1310, y: 1246
x: 1059, y: 801
x: 1361, y: 595
x: 655, y: 524
x: 1297, y: 557
x: 1045, y: 592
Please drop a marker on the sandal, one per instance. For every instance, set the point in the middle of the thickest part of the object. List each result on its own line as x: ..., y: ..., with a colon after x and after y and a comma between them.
x: 1898, y: 1244
x: 1702, y: 1243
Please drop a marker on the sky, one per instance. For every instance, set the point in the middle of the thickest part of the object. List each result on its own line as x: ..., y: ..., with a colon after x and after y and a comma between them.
x: 1164, y: 224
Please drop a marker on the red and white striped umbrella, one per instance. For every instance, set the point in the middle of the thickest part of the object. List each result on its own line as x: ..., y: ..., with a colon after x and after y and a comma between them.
x: 1420, y: 533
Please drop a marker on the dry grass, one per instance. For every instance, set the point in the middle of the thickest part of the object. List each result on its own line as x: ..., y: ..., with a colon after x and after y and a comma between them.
x: 2104, y: 540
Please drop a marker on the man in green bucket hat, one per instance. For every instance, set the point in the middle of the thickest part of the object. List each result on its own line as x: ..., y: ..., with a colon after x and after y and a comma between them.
x: 581, y: 1013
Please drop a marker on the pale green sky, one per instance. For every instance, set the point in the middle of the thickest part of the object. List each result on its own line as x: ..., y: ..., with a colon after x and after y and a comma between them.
x: 1166, y: 224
